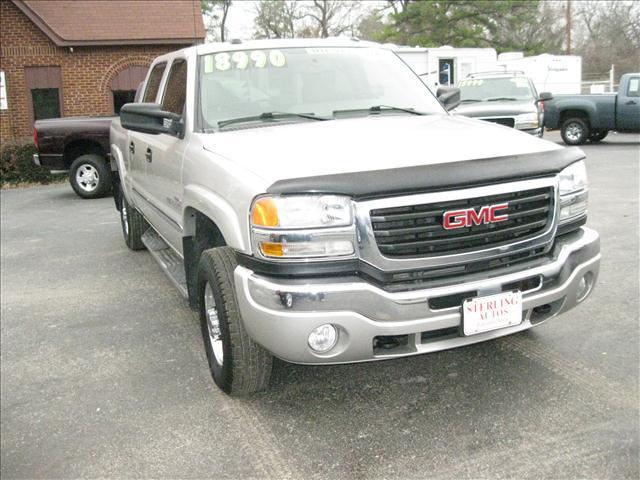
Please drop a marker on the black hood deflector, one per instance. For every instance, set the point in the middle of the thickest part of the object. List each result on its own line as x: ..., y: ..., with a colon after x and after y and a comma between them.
x: 427, y: 178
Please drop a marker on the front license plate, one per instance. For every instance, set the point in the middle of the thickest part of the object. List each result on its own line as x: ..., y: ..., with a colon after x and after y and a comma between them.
x: 482, y: 314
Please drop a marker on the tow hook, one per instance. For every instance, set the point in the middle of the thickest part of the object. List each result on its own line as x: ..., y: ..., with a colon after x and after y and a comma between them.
x: 386, y: 342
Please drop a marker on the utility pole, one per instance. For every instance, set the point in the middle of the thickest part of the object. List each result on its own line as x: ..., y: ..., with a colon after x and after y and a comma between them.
x: 568, y: 26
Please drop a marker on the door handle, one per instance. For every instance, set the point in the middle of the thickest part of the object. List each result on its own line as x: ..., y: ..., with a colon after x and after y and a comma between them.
x: 631, y: 102
x: 148, y: 155
x: 132, y: 148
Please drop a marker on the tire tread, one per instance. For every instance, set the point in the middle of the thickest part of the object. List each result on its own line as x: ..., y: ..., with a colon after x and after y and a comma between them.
x: 137, y: 226
x: 250, y: 365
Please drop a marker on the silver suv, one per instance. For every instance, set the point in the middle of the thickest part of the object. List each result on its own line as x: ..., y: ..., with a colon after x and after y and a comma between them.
x: 506, y: 98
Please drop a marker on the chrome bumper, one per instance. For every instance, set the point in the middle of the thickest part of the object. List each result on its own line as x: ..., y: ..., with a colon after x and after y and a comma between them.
x: 279, y: 314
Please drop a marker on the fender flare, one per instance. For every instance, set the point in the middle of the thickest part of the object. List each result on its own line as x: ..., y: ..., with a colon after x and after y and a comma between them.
x: 218, y: 210
x: 118, y: 160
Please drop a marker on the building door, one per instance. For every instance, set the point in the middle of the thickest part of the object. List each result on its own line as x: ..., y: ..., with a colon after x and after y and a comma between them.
x: 125, y: 84
x: 446, y: 75
x: 44, y: 88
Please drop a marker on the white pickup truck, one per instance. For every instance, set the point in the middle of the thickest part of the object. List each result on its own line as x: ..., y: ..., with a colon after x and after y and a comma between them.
x: 317, y: 203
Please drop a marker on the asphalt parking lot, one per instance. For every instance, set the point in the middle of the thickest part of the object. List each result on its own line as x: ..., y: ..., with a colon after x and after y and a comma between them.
x: 103, y: 373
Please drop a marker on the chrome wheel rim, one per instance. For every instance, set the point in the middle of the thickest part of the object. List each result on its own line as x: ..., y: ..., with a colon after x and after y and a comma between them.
x: 125, y: 217
x: 87, y: 177
x: 213, y: 324
x: 574, y: 132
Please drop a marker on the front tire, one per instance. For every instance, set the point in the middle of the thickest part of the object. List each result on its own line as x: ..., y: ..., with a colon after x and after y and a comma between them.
x: 575, y: 131
x: 133, y: 224
x: 90, y: 176
x: 238, y: 365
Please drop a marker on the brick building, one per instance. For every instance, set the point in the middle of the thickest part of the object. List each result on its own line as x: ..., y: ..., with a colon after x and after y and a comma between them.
x: 83, y: 57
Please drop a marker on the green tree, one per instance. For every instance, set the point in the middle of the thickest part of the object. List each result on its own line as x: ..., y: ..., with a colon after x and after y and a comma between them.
x: 371, y: 26
x: 503, y: 24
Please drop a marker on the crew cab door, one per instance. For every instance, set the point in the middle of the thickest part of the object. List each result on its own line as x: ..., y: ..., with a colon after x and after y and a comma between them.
x: 628, y: 108
x: 164, y: 156
x: 137, y: 141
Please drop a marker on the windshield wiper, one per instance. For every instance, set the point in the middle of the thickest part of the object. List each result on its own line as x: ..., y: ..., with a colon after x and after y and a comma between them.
x: 469, y: 100
x: 379, y: 109
x: 270, y: 116
x: 497, y: 99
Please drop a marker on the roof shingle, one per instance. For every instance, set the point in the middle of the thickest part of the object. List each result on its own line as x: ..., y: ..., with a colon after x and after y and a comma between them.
x: 102, y: 22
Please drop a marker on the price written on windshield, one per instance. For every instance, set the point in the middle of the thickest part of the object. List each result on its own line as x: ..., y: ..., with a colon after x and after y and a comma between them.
x: 242, y: 60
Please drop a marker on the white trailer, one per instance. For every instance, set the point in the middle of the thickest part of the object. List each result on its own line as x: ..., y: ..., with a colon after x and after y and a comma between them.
x: 557, y: 74
x: 446, y: 65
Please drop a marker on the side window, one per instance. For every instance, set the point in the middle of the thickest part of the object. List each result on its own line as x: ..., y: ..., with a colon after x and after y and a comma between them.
x: 634, y: 87
x: 154, y: 83
x: 175, y: 92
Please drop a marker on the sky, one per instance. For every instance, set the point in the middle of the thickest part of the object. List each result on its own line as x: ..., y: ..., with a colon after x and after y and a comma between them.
x: 242, y: 13
x: 240, y: 19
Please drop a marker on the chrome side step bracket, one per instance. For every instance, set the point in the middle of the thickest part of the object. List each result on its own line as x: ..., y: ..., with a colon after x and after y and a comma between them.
x: 170, y: 262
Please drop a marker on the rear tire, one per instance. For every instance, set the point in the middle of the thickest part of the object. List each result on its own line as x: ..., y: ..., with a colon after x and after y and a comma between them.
x: 598, y: 135
x: 90, y: 176
x: 133, y: 224
x: 575, y: 131
x: 238, y: 365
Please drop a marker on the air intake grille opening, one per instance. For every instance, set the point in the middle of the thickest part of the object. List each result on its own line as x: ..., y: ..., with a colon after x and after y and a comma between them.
x: 417, y: 231
x: 506, y: 121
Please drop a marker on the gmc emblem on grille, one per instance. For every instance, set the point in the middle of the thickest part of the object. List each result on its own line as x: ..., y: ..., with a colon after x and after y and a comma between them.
x: 469, y: 217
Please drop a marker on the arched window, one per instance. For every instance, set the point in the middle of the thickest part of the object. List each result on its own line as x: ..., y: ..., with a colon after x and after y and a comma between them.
x: 124, y: 85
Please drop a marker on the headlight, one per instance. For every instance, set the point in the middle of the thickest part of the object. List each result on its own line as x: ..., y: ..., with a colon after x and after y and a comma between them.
x: 302, y: 211
x: 527, y: 120
x: 300, y: 227
x: 572, y: 184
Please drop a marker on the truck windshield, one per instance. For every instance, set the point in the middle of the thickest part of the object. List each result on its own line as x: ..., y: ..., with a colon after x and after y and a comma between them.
x: 495, y: 89
x: 249, y: 84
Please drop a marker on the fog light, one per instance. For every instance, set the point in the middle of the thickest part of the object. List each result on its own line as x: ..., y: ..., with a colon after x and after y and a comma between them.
x: 584, y: 286
x: 323, y: 338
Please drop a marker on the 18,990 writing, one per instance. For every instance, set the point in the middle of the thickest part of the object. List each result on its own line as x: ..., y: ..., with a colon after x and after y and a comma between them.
x: 241, y: 60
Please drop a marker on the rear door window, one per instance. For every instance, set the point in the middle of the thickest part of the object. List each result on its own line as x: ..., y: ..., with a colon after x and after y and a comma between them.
x: 634, y: 87
x: 175, y: 92
x: 153, y: 84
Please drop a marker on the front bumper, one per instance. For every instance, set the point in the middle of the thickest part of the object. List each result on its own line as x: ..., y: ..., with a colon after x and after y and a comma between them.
x: 538, y: 132
x: 279, y: 314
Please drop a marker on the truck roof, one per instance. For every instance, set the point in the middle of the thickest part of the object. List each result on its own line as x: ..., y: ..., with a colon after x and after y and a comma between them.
x: 284, y: 43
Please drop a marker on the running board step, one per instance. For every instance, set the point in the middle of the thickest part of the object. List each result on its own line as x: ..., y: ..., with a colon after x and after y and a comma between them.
x: 167, y: 258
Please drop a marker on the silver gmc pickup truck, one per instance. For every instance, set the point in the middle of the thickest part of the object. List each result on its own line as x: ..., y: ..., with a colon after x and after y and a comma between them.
x: 316, y: 202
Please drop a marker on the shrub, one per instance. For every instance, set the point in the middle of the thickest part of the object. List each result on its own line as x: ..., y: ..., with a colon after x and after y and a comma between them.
x: 16, y: 165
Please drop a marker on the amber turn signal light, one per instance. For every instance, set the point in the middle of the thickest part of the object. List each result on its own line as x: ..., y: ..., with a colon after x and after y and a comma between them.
x: 265, y: 213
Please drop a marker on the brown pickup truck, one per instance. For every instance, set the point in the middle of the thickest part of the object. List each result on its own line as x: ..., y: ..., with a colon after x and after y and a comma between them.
x: 79, y: 146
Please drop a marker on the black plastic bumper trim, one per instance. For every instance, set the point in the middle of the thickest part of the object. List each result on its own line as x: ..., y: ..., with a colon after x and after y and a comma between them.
x: 52, y: 161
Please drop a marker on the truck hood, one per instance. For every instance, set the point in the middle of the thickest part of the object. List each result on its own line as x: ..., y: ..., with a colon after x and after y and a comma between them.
x: 495, y: 109
x: 360, y: 144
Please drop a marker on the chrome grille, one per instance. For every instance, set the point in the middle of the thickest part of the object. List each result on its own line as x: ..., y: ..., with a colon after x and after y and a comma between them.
x: 417, y: 231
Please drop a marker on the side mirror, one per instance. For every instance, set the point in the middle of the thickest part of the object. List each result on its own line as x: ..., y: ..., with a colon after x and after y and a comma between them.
x: 449, y: 97
x: 150, y: 118
x: 544, y: 96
